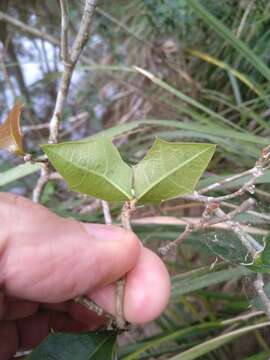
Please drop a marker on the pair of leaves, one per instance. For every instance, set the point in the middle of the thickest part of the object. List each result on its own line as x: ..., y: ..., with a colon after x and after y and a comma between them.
x: 10, y: 132
x: 95, y: 167
x: 84, y: 346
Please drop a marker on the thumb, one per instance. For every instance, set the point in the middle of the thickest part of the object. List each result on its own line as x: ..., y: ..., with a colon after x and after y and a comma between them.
x: 46, y: 258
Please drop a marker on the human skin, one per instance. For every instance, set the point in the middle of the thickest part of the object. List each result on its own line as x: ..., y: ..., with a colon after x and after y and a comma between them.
x: 46, y: 261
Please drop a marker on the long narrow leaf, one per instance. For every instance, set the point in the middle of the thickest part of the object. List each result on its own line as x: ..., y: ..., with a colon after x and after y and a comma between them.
x: 175, y: 335
x: 230, y: 38
x: 216, y: 342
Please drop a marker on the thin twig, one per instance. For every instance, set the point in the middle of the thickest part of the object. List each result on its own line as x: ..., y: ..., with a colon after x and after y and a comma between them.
x: 90, y: 305
x: 79, y: 43
x: 28, y: 29
x: 207, y: 221
x: 225, y: 181
x: 183, y: 221
x: 106, y: 212
x: 119, y: 306
x: 69, y: 65
x: 247, y: 240
x: 244, y: 207
x: 42, y: 181
x: 84, y: 30
x: 32, y: 31
x: 121, y: 323
x: 89, y: 208
x: 163, y: 250
x: 64, y: 30
x: 127, y: 209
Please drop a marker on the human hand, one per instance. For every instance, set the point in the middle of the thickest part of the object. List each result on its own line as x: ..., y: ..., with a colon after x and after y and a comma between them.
x: 46, y: 261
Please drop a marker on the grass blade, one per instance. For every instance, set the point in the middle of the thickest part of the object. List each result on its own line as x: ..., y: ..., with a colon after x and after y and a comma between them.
x: 230, y: 38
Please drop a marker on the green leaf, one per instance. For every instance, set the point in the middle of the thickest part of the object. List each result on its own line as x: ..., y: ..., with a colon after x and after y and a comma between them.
x: 84, y: 346
x: 95, y: 167
x: 233, y: 137
x: 226, y: 245
x: 262, y: 260
x: 170, y: 169
x: 230, y: 38
x: 216, y: 342
x: 257, y: 302
x: 223, y: 65
x: 264, y: 355
x: 18, y: 172
x: 92, y: 167
x: 172, y: 336
x: 186, y: 99
x: 193, y: 280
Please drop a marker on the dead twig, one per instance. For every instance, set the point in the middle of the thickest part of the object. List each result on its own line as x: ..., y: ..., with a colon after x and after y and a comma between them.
x: 29, y: 29
x: 212, y: 207
x: 42, y: 181
x: 121, y: 323
x: 64, y: 30
x: 106, y: 212
x: 69, y: 63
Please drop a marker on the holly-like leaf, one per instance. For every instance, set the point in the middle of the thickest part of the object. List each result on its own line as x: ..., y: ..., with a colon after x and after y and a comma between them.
x: 10, y: 132
x: 92, y: 167
x: 84, y: 346
x: 170, y: 169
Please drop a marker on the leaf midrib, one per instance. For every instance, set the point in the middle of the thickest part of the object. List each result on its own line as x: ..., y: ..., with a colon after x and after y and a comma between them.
x: 96, y: 173
x: 170, y: 172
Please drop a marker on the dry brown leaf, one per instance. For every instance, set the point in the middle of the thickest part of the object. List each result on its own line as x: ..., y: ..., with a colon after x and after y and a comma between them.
x: 10, y: 132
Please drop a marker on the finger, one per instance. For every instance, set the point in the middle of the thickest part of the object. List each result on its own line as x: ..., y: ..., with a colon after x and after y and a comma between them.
x: 77, y: 312
x: 3, y: 305
x: 56, y: 259
x: 147, y: 290
x: 19, y: 309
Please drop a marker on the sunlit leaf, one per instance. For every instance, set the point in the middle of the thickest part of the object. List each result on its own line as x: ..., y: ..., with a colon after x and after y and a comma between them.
x: 85, y: 346
x: 170, y: 169
x: 92, y: 167
x: 223, y: 65
x: 10, y: 132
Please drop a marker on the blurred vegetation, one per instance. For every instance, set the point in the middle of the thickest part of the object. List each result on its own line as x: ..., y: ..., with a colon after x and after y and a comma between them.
x: 212, y: 61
